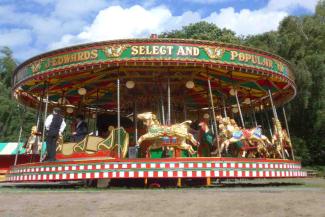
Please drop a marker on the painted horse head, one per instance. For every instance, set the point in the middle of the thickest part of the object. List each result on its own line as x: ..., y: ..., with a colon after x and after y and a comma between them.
x: 148, y: 118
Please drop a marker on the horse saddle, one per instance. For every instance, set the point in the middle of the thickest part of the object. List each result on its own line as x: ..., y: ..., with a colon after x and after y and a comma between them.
x: 237, y: 134
x: 247, y: 133
x: 258, y: 132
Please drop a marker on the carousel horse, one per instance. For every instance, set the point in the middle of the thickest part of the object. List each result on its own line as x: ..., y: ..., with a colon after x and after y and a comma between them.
x: 33, y: 145
x: 158, y: 132
x: 223, y: 136
x: 235, y: 134
x: 281, y: 140
x: 287, y: 145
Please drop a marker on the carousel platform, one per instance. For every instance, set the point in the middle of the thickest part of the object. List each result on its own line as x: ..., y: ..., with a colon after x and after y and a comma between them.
x: 142, y: 168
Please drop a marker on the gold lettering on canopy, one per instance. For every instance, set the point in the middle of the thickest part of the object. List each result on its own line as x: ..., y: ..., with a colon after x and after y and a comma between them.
x: 72, y: 58
x: 154, y: 50
x: 188, y: 51
x: 251, y: 58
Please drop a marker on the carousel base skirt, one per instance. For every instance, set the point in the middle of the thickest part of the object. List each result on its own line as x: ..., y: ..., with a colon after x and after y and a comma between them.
x: 170, y: 168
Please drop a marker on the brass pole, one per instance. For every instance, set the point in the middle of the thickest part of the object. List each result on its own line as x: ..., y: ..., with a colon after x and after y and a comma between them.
x: 287, y: 127
x: 162, y: 108
x: 239, y: 109
x: 135, y: 122
x: 275, y: 116
x: 224, y: 106
x: 43, y: 132
x: 253, y: 110
x: 268, y: 123
x: 118, y: 119
x: 168, y: 102
x: 19, y: 138
x: 214, y: 116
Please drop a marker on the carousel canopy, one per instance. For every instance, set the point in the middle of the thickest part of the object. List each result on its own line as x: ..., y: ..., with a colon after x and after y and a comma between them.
x: 87, y: 74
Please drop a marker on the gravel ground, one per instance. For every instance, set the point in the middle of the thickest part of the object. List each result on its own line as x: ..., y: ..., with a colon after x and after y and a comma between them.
x: 292, y: 200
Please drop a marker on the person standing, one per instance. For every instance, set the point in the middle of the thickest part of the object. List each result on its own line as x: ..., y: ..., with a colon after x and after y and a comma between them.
x: 54, y: 125
x: 81, y: 129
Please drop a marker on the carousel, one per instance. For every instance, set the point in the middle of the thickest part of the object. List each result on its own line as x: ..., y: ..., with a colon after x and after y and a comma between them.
x: 159, y: 109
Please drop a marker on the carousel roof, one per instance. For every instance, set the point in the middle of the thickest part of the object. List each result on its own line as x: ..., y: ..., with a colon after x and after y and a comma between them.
x: 148, y: 65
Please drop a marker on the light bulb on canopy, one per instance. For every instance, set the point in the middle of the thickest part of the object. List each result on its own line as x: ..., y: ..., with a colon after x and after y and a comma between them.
x: 69, y: 110
x: 247, y: 101
x: 189, y: 84
x: 82, y: 91
x: 232, y: 92
x: 206, y: 116
x: 234, y: 110
x: 130, y: 84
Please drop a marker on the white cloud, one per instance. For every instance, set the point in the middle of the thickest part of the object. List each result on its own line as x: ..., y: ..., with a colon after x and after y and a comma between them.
x: 251, y: 22
x: 66, y: 17
x: 247, y: 22
x: 14, y: 38
x: 68, y: 22
x: 206, y: 1
x: 288, y: 5
x: 76, y: 8
x: 116, y: 22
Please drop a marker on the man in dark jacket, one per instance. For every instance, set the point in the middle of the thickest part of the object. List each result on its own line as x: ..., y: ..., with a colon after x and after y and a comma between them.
x: 54, y: 125
x: 81, y: 129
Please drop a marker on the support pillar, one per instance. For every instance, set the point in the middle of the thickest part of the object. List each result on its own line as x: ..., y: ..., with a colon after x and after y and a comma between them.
x: 179, y: 182
x: 208, y: 182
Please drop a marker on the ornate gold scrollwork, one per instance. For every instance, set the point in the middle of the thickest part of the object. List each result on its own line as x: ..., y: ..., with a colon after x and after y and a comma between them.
x: 115, y: 50
x: 214, y: 52
x: 36, y: 66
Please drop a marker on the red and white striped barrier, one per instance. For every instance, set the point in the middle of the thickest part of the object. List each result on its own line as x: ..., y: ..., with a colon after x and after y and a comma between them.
x: 153, y: 168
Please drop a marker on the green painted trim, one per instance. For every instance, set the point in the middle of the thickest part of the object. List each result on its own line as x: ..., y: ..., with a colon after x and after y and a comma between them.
x: 152, y: 51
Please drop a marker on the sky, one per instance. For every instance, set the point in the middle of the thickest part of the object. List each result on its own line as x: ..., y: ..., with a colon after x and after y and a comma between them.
x: 32, y: 27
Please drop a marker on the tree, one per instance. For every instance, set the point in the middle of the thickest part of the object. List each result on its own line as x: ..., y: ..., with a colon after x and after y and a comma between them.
x: 7, y: 66
x: 11, y: 113
x: 203, y: 31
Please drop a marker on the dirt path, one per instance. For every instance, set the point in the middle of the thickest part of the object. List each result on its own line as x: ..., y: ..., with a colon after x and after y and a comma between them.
x: 262, y: 201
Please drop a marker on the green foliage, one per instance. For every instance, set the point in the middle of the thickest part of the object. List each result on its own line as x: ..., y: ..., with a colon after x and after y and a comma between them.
x: 7, y: 66
x: 203, y: 31
x: 12, y: 115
